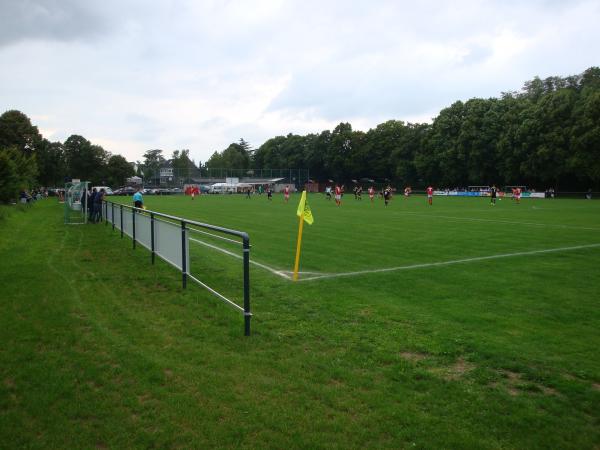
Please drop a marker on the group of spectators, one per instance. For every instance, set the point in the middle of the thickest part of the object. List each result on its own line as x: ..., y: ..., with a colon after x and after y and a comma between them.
x: 29, y: 197
x: 94, y: 204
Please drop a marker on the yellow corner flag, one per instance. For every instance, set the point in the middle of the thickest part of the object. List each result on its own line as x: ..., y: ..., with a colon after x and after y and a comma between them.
x: 305, y: 214
x: 304, y: 210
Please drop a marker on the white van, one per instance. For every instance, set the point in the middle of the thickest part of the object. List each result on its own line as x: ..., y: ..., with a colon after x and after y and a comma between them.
x: 107, y: 190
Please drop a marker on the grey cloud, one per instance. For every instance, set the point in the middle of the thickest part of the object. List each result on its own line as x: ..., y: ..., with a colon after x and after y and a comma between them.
x: 60, y: 20
x: 143, y: 128
x: 343, y: 98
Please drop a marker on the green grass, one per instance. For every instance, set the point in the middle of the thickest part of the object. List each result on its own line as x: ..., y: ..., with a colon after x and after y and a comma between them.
x: 102, y: 349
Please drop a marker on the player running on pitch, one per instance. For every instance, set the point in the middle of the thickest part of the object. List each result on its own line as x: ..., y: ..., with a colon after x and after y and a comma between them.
x: 338, y: 195
x: 430, y: 195
x: 286, y: 193
x: 371, y: 193
x: 387, y: 195
x: 517, y: 195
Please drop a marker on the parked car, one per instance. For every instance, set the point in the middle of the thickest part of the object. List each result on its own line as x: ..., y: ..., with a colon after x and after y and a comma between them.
x: 107, y: 190
x: 127, y: 190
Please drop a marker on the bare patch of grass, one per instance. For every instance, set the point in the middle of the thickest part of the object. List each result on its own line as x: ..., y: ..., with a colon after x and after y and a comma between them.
x: 514, y: 384
x: 412, y: 356
x: 459, y: 369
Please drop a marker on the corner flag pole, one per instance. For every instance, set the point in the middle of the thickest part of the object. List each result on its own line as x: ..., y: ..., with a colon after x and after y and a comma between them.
x: 298, y: 246
x: 305, y: 214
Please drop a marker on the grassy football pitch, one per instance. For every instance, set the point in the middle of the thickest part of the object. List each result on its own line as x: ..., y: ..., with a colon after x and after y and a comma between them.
x: 457, y: 325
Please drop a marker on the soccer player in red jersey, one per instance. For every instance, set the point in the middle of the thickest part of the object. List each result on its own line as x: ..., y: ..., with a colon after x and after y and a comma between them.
x: 371, y: 193
x: 338, y: 195
x: 517, y: 195
x: 286, y: 193
x: 430, y: 195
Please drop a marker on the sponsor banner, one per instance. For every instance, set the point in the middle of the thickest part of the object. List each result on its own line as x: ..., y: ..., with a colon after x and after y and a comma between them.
x: 536, y: 194
x: 468, y: 193
x: 459, y: 193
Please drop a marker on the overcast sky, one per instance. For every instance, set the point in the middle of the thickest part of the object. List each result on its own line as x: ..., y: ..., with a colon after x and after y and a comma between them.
x: 133, y: 75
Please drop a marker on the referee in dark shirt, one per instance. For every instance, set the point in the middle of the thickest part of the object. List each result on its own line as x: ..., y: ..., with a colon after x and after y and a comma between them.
x: 493, y: 193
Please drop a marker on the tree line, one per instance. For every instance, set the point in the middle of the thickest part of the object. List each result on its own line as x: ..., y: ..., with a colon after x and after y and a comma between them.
x: 545, y: 135
x: 29, y: 160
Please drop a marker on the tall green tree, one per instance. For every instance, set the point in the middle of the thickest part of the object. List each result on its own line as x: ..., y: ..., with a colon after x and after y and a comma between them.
x: 9, y: 177
x: 84, y: 160
x: 118, y: 170
x: 18, y: 172
x: 17, y: 131
x: 51, y: 163
x: 585, y: 137
x: 153, y: 159
x: 236, y: 156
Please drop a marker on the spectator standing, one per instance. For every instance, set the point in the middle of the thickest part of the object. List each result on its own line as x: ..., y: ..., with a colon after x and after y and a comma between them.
x: 98, y: 199
x: 138, y: 201
x: 90, y: 203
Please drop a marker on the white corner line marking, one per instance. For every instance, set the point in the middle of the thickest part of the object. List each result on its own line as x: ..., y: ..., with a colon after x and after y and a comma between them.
x: 235, y: 255
x: 447, y: 263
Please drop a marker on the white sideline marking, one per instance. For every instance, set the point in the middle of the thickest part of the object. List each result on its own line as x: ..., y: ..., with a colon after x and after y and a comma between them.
x: 512, y: 222
x: 235, y: 255
x: 308, y: 273
x: 447, y: 263
x: 320, y: 275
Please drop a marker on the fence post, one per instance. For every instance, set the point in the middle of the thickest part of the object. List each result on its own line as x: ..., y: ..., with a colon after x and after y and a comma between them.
x: 112, y: 215
x: 121, y: 221
x: 183, y: 255
x: 105, y: 213
x: 152, y: 235
x: 133, y: 226
x: 247, y: 313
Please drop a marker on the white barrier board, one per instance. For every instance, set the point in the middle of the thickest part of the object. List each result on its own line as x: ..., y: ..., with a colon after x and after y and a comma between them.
x: 117, y: 217
x: 167, y: 243
x: 128, y: 222
x: 142, y: 230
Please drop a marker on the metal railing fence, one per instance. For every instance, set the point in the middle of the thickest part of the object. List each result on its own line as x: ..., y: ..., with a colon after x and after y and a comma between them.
x: 167, y: 236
